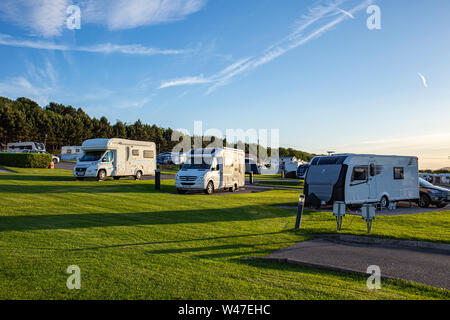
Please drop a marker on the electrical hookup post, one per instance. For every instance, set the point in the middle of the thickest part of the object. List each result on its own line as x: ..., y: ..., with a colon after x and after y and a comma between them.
x: 368, y: 214
x: 339, y: 209
x: 301, y: 202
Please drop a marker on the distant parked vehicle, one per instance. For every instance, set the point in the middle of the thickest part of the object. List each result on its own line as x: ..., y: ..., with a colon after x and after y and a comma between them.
x: 357, y: 179
x: 55, y: 158
x: 211, y: 169
x: 116, y: 158
x: 71, y: 153
x: 302, y: 170
x: 22, y: 146
x: 433, y: 195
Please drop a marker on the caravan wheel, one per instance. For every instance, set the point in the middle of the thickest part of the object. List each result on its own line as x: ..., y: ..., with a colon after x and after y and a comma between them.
x: 233, y: 188
x: 384, y: 202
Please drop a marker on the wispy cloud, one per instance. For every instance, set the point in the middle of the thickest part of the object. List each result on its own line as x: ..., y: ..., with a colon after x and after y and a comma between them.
x: 126, y: 14
x: 131, y: 49
x: 184, y: 81
x: 312, y: 25
x: 42, y: 18
x: 47, y: 18
x: 348, y: 14
x: 424, y: 81
x: 38, y: 84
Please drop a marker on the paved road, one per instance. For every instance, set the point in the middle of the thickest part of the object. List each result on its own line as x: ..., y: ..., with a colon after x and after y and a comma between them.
x: 431, y: 267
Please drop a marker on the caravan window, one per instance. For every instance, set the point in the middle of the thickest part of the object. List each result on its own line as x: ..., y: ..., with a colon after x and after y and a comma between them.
x: 69, y: 151
x: 399, y: 173
x: 77, y: 150
x: 149, y: 154
x: 135, y: 152
x: 360, y: 173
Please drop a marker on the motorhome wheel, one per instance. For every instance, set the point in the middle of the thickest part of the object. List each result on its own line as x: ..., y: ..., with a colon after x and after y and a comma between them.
x: 210, y: 188
x: 101, y: 175
x: 441, y: 205
x: 138, y: 175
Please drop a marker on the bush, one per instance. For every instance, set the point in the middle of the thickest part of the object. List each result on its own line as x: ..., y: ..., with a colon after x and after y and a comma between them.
x: 26, y: 160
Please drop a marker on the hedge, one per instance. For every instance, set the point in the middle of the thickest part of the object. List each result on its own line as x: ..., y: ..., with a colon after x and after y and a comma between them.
x: 26, y: 160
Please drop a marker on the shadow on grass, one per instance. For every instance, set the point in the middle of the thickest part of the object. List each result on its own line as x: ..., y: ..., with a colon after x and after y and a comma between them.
x: 92, y: 220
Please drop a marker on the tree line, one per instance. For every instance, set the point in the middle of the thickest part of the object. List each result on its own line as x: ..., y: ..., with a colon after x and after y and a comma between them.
x: 58, y: 125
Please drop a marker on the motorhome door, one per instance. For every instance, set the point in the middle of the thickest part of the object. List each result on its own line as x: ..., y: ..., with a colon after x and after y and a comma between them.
x: 372, y: 181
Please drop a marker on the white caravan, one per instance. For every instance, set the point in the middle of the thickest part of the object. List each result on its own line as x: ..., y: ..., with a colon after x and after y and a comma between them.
x: 116, y: 158
x: 357, y: 179
x: 211, y: 169
x: 71, y: 153
x: 25, y: 146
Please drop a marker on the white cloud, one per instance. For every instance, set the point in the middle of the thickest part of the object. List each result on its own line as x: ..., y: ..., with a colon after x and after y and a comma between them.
x: 131, y: 49
x: 39, y: 84
x: 319, y: 20
x: 43, y: 18
x: 47, y: 18
x: 126, y: 14
x: 184, y: 81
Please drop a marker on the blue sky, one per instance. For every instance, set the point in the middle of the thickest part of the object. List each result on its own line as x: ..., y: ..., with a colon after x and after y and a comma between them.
x: 309, y: 68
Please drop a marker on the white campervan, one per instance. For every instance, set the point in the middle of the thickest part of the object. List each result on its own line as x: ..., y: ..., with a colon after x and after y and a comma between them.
x: 357, y: 179
x: 71, y: 153
x: 26, y: 146
x: 116, y: 158
x: 212, y: 169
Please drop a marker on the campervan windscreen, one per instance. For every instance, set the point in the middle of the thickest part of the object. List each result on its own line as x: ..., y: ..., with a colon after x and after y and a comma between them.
x: 92, y: 156
x: 40, y: 146
x: 194, y: 163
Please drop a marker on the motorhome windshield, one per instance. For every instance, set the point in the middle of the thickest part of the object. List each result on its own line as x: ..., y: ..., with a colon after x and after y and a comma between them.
x: 92, y: 156
x: 194, y: 163
x: 302, y: 169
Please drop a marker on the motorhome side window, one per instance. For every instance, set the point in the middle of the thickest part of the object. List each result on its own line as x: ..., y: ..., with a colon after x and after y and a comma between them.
x: 135, y: 152
x: 399, y: 173
x: 359, y: 173
x: 149, y: 154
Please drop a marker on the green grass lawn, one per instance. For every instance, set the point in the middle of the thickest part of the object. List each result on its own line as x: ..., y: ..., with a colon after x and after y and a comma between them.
x: 134, y: 243
x: 282, y: 183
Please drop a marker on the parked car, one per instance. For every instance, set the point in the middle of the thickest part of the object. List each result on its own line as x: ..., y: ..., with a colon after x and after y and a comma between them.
x: 55, y: 158
x: 432, y: 195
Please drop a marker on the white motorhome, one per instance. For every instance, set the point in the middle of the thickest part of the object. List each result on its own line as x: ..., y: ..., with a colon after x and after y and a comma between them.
x: 357, y: 179
x: 211, y: 169
x: 117, y: 158
x: 71, y: 153
x: 25, y: 146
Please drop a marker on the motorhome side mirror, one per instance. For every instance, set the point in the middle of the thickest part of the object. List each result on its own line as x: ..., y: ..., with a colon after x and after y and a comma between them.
x: 217, y: 167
